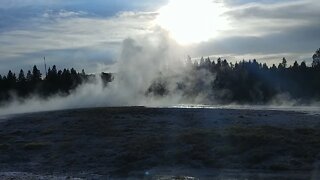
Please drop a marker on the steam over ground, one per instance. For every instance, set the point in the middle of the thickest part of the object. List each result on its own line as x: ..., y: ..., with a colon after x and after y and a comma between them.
x: 142, y: 60
x: 152, y: 70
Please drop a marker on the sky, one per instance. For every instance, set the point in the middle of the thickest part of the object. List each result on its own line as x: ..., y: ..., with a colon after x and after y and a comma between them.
x: 89, y: 34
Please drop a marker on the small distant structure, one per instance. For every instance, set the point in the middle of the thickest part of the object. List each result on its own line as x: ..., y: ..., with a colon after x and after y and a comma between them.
x: 45, y: 65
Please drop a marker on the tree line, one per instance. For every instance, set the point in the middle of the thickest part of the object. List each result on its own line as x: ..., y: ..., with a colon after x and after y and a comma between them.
x: 216, y: 80
x: 54, y: 82
x: 245, y: 81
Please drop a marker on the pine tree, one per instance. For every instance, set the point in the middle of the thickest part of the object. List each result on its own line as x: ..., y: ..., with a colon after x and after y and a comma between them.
x: 21, y: 77
x: 29, y: 76
x: 36, y: 75
x: 316, y: 59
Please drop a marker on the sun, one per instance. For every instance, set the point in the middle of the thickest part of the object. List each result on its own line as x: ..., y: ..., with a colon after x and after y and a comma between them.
x: 193, y: 21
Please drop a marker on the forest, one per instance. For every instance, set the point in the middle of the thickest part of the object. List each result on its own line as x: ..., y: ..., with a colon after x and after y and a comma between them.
x: 246, y: 82
x: 60, y: 82
x: 219, y: 81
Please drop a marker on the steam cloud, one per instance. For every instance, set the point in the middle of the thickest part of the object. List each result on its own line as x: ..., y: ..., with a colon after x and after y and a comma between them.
x: 146, y: 59
x: 141, y: 61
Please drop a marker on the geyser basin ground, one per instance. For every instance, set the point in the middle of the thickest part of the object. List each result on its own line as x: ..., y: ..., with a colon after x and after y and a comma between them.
x: 139, y: 142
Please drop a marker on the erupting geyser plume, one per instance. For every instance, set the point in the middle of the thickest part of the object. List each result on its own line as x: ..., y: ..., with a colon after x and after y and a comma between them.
x: 142, y: 60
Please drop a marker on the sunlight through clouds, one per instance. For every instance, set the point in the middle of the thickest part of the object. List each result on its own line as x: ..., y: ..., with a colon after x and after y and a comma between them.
x: 193, y: 21
x: 31, y: 29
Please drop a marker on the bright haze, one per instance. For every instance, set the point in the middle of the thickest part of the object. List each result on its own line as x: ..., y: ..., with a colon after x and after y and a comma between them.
x: 89, y: 34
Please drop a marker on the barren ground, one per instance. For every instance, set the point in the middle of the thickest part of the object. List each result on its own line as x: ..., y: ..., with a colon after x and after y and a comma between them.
x: 150, y: 143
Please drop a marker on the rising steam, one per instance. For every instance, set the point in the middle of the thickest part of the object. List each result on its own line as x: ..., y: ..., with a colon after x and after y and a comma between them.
x: 142, y: 60
x: 151, y: 70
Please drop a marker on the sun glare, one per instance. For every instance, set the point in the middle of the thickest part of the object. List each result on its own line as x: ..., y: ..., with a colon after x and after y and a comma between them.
x: 192, y: 21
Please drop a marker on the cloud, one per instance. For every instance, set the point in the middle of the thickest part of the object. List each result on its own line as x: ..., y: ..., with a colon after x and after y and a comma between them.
x: 71, y: 30
x: 66, y: 32
x: 283, y: 10
x: 300, y: 39
x: 276, y: 27
x: 261, y: 18
x: 98, y: 7
x: 30, y: 29
x: 63, y: 14
x: 7, y: 4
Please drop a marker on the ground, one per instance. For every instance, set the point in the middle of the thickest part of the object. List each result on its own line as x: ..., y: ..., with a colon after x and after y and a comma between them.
x: 161, y: 143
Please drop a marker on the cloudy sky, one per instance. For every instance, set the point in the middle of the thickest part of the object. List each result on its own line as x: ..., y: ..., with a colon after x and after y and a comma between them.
x: 88, y: 34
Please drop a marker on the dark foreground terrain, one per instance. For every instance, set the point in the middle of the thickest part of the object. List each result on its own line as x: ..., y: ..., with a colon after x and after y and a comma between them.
x: 160, y: 143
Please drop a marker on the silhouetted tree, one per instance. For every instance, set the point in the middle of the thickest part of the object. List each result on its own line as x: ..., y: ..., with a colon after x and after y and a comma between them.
x: 303, y: 65
x: 22, y: 88
x: 21, y: 77
x: 11, y: 80
x: 316, y: 59
x: 295, y: 65
x: 283, y: 64
x: 189, y: 62
x: 36, y: 75
x: 29, y: 76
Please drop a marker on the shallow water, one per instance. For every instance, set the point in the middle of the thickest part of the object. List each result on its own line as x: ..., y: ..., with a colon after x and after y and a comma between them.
x: 313, y: 110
